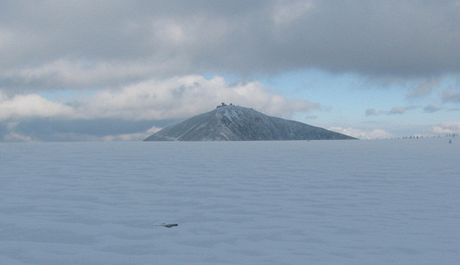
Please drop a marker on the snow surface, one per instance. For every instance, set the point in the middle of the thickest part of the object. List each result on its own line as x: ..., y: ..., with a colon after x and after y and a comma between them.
x: 317, y: 202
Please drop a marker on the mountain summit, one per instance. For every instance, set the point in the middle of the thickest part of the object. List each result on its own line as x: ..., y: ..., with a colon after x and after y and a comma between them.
x: 235, y: 123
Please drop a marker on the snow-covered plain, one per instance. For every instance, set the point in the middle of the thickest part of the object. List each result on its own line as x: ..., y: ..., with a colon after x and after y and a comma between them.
x: 317, y: 202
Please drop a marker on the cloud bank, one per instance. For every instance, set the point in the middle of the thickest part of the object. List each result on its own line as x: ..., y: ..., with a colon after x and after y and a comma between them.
x: 70, y: 44
x: 137, y: 61
x: 447, y: 128
x: 365, y: 134
x: 140, y: 106
x: 173, y: 98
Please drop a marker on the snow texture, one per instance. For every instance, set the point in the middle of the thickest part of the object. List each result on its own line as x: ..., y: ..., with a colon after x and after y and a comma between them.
x: 235, y: 123
x: 288, y: 202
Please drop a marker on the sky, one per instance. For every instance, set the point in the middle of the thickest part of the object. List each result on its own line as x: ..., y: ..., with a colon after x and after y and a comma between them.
x: 112, y: 70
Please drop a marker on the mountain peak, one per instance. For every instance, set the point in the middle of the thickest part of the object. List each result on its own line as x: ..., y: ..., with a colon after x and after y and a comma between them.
x: 237, y: 123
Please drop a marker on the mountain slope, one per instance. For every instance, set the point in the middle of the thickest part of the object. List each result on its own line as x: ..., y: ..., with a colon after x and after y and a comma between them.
x: 235, y: 123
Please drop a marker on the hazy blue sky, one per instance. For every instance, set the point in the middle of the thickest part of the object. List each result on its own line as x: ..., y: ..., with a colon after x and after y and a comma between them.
x: 120, y: 70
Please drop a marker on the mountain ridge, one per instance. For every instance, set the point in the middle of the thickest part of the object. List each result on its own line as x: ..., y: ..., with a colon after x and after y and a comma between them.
x: 236, y: 123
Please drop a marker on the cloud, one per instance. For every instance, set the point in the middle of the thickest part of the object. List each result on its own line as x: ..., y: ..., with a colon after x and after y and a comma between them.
x: 58, y: 129
x: 9, y: 133
x: 136, y: 56
x: 372, y: 112
x: 451, y: 96
x: 17, y: 137
x: 5, y: 38
x: 447, y: 128
x: 130, y: 136
x: 431, y: 108
x: 397, y: 110
x: 286, y: 12
x: 423, y: 89
x: 139, y: 107
x: 392, y: 111
x: 29, y: 106
x: 186, y: 96
x: 363, y: 133
x: 78, y: 44
x: 71, y: 74
x: 173, y: 98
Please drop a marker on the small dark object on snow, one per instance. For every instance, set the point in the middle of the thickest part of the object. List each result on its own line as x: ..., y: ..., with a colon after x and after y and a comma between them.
x: 450, y: 141
x: 169, y: 225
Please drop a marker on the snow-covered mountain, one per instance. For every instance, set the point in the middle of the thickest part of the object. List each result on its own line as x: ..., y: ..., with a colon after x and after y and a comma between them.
x: 235, y: 123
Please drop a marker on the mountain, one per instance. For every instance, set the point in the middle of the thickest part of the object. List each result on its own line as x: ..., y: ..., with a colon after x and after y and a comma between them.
x: 235, y: 123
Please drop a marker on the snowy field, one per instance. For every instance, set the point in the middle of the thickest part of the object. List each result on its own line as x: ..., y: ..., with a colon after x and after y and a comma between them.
x: 317, y: 202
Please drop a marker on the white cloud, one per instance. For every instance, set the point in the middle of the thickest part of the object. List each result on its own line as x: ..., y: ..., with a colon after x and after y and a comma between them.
x: 363, y: 133
x: 130, y: 136
x: 174, y: 98
x: 186, y: 96
x: 447, y: 128
x: 29, y: 106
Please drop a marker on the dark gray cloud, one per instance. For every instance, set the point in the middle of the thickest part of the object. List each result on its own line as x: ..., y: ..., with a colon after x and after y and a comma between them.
x: 393, y: 111
x: 423, y: 89
x: 451, y: 96
x: 372, y: 112
x: 431, y: 108
x: 105, y: 43
x: 397, y: 110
